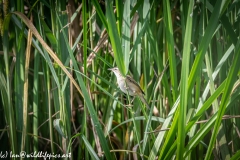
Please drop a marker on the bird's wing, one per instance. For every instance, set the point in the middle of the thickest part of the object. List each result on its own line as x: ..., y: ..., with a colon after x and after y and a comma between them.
x: 134, y: 82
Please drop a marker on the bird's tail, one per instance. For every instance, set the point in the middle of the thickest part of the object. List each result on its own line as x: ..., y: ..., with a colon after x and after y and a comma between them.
x: 144, y: 101
x: 155, y: 110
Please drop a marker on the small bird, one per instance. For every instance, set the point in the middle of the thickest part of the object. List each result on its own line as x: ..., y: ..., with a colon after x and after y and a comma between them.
x: 129, y: 86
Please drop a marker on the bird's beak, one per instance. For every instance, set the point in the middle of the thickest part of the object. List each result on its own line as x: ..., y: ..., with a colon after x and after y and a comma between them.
x: 110, y: 69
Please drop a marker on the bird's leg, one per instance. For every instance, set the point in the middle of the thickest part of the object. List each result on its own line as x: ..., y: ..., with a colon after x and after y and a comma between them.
x: 132, y: 100
x: 130, y: 105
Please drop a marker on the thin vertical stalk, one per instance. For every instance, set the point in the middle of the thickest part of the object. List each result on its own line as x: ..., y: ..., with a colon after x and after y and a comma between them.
x: 10, y: 118
x: 25, y: 93
x: 170, y: 47
x: 184, y: 83
x: 35, y: 101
